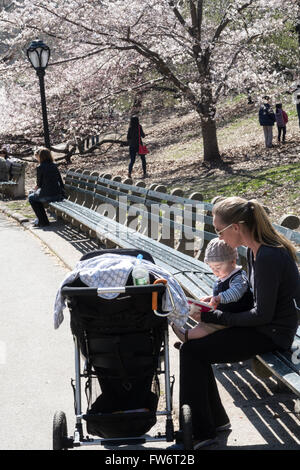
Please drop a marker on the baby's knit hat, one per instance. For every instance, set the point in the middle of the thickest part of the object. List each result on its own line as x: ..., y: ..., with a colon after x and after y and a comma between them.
x: 217, y: 251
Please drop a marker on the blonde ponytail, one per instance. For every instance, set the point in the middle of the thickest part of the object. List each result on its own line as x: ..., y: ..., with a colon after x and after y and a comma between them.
x: 253, y: 215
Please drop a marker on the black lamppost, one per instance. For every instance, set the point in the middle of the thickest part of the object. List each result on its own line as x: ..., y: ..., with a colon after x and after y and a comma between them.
x: 38, y: 54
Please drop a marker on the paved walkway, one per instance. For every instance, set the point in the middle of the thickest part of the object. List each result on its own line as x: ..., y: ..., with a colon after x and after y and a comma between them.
x: 34, y: 358
x: 37, y: 361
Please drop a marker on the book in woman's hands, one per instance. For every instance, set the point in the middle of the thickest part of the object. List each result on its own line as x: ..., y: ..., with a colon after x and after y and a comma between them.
x: 203, y: 306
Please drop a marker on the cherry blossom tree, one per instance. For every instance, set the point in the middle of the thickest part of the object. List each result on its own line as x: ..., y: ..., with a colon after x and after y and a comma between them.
x: 105, y: 49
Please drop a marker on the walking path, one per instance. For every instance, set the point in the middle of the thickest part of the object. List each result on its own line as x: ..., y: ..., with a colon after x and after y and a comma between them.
x: 34, y: 357
x: 36, y: 362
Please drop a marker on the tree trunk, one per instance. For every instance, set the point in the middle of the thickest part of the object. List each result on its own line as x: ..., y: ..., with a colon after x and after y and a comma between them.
x: 210, y: 141
x: 207, y: 111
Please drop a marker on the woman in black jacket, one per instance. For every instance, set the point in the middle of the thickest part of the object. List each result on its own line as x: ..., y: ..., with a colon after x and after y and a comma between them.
x: 270, y: 325
x: 134, y: 134
x: 49, y: 188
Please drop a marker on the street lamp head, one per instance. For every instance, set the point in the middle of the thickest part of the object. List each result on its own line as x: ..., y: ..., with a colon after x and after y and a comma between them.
x: 38, y: 54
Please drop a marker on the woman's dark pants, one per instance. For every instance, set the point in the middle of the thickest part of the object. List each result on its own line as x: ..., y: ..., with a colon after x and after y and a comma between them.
x: 198, y: 387
x: 38, y: 208
x: 133, y: 151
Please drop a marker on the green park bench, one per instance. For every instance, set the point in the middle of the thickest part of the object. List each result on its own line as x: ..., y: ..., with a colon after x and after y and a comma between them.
x: 174, y: 229
x: 15, y: 186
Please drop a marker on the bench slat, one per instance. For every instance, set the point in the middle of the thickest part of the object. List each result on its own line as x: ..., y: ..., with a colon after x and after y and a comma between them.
x: 7, y: 183
x: 287, y: 357
x: 153, y: 194
x: 282, y: 371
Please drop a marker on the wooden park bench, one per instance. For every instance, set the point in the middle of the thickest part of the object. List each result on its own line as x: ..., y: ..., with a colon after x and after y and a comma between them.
x: 15, y: 186
x: 173, y: 228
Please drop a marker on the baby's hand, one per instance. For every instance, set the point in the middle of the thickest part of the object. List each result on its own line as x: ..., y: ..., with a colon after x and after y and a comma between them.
x: 214, y: 302
x: 206, y: 299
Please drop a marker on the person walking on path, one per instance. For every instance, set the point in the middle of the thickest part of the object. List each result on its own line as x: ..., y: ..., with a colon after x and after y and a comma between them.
x: 270, y: 325
x: 267, y: 120
x: 134, y: 134
x: 49, y: 188
x: 281, y: 119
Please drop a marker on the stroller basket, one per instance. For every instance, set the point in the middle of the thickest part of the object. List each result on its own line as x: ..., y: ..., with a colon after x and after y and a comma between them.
x: 125, y: 366
x: 128, y: 423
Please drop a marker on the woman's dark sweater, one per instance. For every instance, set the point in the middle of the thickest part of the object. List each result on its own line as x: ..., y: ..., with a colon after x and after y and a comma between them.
x: 275, y: 280
x: 49, y: 180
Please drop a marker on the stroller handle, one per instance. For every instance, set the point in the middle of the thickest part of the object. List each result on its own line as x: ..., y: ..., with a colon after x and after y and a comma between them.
x: 90, y: 291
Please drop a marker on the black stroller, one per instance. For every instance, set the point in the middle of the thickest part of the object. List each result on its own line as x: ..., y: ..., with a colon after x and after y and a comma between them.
x: 124, y: 342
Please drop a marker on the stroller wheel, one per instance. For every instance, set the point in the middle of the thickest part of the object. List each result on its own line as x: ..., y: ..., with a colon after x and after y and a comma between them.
x: 187, y: 429
x: 60, y: 431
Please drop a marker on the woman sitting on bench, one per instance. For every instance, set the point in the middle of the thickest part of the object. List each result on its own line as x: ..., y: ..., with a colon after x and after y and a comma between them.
x: 49, y: 188
x: 269, y: 326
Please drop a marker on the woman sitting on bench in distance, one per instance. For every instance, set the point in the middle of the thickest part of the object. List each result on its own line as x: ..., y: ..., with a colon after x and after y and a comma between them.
x: 269, y: 326
x: 49, y: 188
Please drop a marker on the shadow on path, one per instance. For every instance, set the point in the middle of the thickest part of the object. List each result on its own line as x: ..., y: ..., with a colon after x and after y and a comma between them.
x: 264, y: 411
x: 81, y: 241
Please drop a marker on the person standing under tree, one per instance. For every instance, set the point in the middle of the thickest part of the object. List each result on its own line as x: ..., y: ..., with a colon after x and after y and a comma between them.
x: 267, y: 120
x: 281, y: 119
x: 134, y: 134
